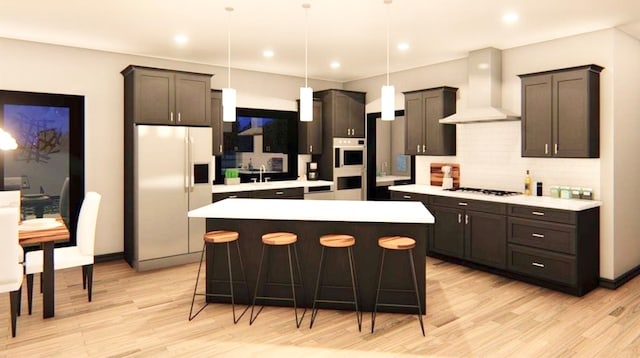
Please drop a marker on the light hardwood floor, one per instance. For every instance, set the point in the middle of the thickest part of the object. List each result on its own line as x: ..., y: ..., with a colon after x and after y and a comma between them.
x: 470, y: 313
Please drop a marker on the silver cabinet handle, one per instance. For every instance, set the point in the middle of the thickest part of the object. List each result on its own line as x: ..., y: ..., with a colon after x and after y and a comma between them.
x: 556, y: 148
x: 537, y: 264
x: 546, y: 148
x: 466, y: 219
x: 171, y: 117
x: 179, y: 117
x: 407, y: 196
x: 424, y: 148
x: 462, y: 203
x: 232, y: 196
x: 311, y: 147
x: 539, y: 213
x: 279, y: 192
x: 418, y: 148
x: 220, y: 148
x: 538, y: 235
x: 459, y: 218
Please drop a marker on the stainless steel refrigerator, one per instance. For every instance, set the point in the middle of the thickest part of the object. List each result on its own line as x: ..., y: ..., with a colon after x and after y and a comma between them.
x: 173, y: 173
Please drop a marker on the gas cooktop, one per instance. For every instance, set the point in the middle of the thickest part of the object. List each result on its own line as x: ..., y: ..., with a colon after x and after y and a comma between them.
x: 484, y: 191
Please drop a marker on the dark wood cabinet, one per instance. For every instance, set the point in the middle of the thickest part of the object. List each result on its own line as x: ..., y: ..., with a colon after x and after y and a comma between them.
x: 343, y: 113
x: 561, y: 113
x: 286, y: 193
x: 425, y: 135
x: 470, y: 229
x: 159, y: 96
x: 310, y: 133
x: 216, y: 122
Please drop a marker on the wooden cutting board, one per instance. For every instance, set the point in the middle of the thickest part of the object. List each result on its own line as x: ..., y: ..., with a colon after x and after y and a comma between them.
x: 436, y: 174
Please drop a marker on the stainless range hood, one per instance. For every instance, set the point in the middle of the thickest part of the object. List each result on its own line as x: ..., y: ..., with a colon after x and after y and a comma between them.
x: 484, y: 101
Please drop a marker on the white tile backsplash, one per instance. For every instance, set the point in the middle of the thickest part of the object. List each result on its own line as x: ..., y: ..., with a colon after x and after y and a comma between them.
x: 489, y: 157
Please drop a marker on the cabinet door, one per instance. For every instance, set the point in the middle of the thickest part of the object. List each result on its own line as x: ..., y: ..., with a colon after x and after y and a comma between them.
x: 310, y: 133
x: 216, y: 122
x: 571, y: 114
x: 193, y: 100
x: 448, y: 232
x: 274, y: 137
x: 413, y: 119
x: 341, y: 113
x: 439, y: 139
x: 154, y: 97
x: 486, y: 238
x: 356, y: 114
x: 537, y: 116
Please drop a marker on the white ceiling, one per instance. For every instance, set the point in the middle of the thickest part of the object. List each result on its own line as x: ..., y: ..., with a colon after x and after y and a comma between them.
x: 352, y: 32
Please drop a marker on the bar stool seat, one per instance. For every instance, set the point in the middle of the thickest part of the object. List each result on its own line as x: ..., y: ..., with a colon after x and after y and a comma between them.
x: 397, y: 243
x: 337, y: 241
x: 271, y: 240
x: 220, y: 237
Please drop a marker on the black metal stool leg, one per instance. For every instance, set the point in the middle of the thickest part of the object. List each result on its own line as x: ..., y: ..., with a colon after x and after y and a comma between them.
x: 244, y: 277
x: 293, y: 286
x: 354, y: 285
x: 375, y: 306
x: 314, y: 310
x: 415, y: 286
x: 193, y: 299
x: 256, y: 289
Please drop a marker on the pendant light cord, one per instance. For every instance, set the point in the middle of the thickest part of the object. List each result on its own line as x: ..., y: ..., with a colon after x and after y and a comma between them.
x: 306, y: 42
x: 229, y: 10
x: 388, y: 4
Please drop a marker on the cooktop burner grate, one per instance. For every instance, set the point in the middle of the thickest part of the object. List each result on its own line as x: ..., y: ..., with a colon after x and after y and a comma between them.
x: 484, y: 191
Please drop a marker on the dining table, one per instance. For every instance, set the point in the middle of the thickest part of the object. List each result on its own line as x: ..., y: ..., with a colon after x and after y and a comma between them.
x: 46, y: 236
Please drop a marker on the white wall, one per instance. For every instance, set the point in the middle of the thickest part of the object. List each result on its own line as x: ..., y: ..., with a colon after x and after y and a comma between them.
x: 34, y: 67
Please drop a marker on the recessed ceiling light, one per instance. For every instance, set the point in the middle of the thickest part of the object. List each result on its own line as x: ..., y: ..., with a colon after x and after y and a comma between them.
x: 510, y: 17
x: 181, y: 39
x: 403, y: 46
x: 335, y: 64
x: 268, y: 53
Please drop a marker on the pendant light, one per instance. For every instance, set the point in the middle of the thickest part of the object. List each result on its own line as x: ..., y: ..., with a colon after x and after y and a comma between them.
x: 388, y: 95
x: 7, y: 142
x: 229, y: 94
x: 306, y: 92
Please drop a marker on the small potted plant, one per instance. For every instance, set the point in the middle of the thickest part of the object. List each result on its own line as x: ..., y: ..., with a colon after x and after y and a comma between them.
x: 231, y: 176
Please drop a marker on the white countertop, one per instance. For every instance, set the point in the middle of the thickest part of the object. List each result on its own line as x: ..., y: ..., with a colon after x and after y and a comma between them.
x: 389, y: 179
x: 282, y: 184
x: 316, y: 210
x: 540, y: 201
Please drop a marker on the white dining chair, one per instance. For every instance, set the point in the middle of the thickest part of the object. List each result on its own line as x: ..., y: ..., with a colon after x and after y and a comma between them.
x: 11, y: 271
x: 71, y: 256
x: 11, y: 199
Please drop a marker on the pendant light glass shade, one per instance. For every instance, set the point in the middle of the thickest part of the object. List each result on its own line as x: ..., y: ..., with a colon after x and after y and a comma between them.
x: 229, y: 94
x: 228, y: 105
x: 306, y: 104
x: 387, y: 103
x: 7, y: 142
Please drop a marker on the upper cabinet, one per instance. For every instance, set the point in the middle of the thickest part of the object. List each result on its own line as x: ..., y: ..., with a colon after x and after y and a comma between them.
x: 157, y: 96
x: 561, y: 113
x: 310, y: 133
x: 423, y: 109
x: 216, y: 122
x: 275, y: 137
x: 342, y: 113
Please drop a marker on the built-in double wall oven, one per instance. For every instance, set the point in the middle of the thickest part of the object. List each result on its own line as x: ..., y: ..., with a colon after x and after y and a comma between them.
x: 348, y: 169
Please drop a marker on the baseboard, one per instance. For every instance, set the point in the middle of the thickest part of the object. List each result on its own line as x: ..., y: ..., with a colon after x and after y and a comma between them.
x: 620, y: 280
x: 109, y: 257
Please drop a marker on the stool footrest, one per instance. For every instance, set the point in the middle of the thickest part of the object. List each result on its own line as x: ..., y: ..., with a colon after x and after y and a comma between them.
x: 274, y: 298
x: 336, y: 301
x: 397, y: 305
x: 214, y: 294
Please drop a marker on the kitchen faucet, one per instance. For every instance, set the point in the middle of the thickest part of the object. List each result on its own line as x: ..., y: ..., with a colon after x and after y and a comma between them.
x: 262, y: 170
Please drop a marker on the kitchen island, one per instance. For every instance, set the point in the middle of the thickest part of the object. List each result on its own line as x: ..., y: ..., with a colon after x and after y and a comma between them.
x: 310, y: 219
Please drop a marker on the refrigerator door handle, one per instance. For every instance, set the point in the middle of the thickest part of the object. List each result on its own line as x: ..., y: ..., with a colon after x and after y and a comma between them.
x: 191, y: 165
x: 187, y: 170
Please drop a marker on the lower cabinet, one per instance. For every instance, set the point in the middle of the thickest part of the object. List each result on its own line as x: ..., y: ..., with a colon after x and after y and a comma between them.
x: 553, y: 248
x: 287, y: 193
x: 478, y: 236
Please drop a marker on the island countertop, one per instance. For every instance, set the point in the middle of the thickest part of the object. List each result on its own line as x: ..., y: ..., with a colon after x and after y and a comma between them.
x: 316, y: 210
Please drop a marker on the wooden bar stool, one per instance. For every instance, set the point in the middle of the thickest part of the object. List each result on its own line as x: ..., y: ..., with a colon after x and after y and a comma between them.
x: 397, y: 243
x: 212, y: 238
x: 338, y: 241
x: 271, y: 240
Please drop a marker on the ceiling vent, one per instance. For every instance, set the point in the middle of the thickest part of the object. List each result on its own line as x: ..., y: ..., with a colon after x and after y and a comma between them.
x: 484, y: 102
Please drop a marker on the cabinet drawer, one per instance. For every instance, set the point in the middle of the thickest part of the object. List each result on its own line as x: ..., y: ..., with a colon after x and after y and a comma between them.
x: 546, y: 214
x: 236, y: 194
x: 542, y: 264
x: 543, y: 235
x: 287, y: 193
x: 466, y: 204
x: 404, y: 196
